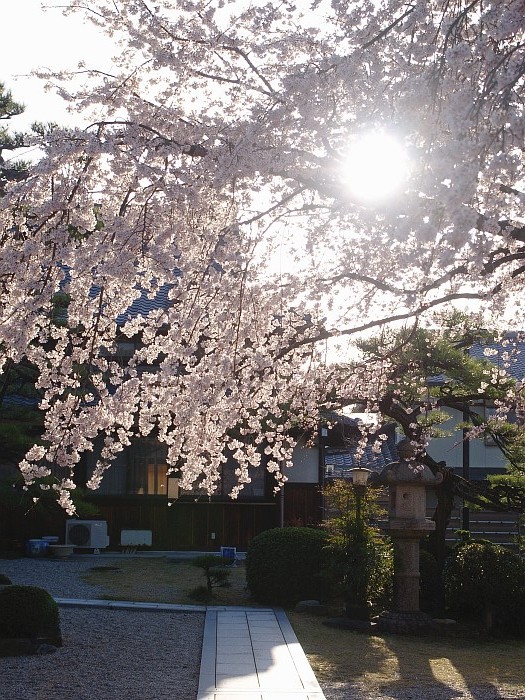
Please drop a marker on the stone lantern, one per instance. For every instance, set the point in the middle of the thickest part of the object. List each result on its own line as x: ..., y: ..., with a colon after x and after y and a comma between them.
x: 407, y: 524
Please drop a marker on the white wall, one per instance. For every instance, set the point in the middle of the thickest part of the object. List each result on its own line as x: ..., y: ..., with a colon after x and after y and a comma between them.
x: 450, y: 449
x: 305, y: 468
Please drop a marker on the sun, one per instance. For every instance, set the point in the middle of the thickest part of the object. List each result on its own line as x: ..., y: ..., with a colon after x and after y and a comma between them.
x: 375, y: 167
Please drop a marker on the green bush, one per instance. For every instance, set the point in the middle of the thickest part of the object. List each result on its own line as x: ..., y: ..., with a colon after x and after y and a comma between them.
x: 361, y: 563
x: 485, y: 584
x: 430, y: 584
x: 27, y: 611
x: 215, y: 570
x: 5, y: 580
x: 361, y: 558
x: 285, y: 565
x: 201, y: 594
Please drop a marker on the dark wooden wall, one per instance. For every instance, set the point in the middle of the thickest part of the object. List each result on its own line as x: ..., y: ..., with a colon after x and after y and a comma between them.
x: 185, y: 525
x: 302, y: 504
x: 190, y: 525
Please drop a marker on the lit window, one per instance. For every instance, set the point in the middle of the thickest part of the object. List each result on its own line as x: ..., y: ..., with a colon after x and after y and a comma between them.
x: 147, y: 469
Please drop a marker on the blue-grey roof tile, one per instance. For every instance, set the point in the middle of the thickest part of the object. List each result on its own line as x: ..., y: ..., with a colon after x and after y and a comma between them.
x: 145, y: 304
x: 340, y: 462
x: 17, y: 400
x: 508, y: 354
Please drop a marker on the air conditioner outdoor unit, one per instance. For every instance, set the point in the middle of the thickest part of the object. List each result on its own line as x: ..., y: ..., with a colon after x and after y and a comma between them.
x: 91, y: 534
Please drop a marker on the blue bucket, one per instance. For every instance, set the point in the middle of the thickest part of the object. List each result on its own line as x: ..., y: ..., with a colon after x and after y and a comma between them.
x: 37, y: 548
x: 51, y: 539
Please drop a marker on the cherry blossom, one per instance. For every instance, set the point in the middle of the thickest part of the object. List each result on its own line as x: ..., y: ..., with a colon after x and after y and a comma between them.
x: 213, y: 166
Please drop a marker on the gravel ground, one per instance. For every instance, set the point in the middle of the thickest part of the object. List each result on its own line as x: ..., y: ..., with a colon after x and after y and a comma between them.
x: 139, y: 655
x: 112, y: 655
x: 351, y: 691
x: 60, y: 577
x: 107, y: 654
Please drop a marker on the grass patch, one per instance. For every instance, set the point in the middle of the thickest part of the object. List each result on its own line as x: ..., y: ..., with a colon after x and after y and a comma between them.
x: 158, y: 580
x: 372, y: 663
x: 378, y: 662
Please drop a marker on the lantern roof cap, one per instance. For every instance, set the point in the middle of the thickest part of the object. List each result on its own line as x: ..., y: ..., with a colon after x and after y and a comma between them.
x: 409, y: 469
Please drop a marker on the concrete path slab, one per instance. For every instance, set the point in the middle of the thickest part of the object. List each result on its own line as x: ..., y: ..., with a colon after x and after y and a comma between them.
x: 128, y: 605
x: 253, y: 654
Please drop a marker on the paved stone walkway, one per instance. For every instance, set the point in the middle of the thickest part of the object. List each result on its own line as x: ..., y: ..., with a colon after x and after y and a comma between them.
x: 253, y: 654
x: 247, y: 653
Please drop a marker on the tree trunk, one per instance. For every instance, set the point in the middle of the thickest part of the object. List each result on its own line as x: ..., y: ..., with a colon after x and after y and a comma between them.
x: 442, y: 515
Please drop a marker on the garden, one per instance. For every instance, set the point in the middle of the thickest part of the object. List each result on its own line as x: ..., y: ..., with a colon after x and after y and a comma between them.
x: 482, y: 588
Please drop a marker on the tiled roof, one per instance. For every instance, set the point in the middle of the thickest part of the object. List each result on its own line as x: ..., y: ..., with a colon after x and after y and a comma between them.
x: 145, y: 304
x: 340, y: 462
x: 509, y: 354
x: 18, y: 400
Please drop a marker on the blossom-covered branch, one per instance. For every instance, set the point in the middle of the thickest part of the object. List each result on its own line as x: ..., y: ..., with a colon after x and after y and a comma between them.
x: 212, y: 175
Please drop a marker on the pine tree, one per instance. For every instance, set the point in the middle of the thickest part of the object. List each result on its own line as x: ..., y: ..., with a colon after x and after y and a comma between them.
x: 10, y: 170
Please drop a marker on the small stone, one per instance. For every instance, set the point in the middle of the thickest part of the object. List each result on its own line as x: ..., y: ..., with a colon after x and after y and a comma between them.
x: 444, y: 621
x: 313, y: 607
x: 304, y: 605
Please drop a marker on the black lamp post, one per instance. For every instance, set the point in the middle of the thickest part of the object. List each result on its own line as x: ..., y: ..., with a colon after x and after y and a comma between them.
x: 357, y: 603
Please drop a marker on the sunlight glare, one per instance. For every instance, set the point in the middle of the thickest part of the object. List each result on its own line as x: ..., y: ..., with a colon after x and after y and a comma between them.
x: 445, y: 672
x: 376, y: 166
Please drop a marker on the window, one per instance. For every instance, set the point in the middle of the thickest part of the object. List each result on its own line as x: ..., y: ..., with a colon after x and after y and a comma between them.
x: 255, y: 489
x: 141, y: 470
x: 147, y: 468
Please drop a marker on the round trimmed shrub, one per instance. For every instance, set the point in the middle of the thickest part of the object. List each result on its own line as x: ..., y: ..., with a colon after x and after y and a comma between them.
x: 285, y: 565
x: 485, y: 583
x: 27, y: 612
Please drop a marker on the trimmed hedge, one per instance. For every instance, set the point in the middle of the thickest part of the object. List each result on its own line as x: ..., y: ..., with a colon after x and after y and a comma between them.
x: 285, y: 565
x: 485, y: 583
x: 27, y: 612
x: 430, y: 584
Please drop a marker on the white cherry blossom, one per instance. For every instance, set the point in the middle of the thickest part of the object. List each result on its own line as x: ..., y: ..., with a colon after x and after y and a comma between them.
x: 216, y: 147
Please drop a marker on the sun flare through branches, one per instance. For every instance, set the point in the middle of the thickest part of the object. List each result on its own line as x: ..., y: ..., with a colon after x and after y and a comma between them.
x: 376, y: 167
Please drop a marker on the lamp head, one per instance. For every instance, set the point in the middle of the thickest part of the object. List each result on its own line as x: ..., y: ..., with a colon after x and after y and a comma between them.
x: 360, y: 476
